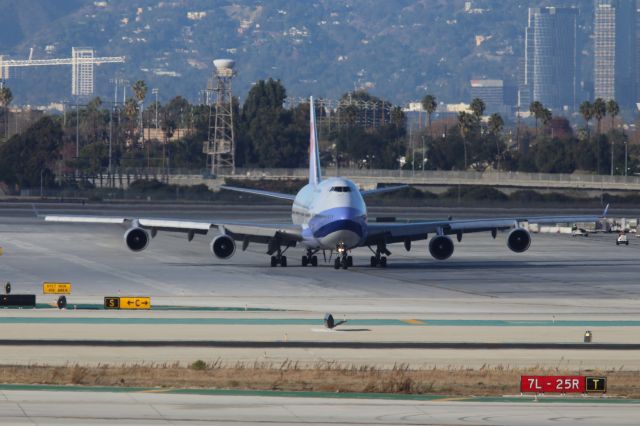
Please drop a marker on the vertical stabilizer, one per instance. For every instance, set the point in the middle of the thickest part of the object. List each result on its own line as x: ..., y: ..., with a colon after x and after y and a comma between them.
x: 314, y: 155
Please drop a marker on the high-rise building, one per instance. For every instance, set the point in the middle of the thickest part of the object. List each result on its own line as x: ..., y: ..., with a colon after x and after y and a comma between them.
x: 549, y: 69
x: 491, y: 92
x: 615, y: 51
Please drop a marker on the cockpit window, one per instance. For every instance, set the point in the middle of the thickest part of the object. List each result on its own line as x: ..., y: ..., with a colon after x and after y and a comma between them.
x: 340, y: 189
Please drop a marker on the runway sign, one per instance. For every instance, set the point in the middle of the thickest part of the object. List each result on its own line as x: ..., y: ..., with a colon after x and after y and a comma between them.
x: 18, y: 300
x: 596, y: 384
x: 56, y: 288
x: 127, y: 303
x: 552, y: 384
x: 112, y: 303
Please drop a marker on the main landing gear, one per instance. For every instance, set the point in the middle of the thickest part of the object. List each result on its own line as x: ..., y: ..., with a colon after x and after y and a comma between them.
x: 310, y: 259
x: 378, y: 259
x: 342, y: 259
x: 279, y: 258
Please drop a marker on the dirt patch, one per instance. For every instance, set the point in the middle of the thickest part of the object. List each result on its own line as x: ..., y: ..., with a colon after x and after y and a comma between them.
x: 288, y: 376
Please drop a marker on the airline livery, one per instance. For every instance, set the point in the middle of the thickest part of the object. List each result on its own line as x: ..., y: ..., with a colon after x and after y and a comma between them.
x: 327, y: 215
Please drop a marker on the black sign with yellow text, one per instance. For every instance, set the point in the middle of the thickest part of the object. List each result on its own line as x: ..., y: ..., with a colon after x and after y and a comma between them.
x: 596, y: 384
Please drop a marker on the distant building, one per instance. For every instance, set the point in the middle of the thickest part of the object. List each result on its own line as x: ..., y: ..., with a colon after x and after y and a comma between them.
x: 491, y: 92
x: 615, y: 51
x: 548, y: 74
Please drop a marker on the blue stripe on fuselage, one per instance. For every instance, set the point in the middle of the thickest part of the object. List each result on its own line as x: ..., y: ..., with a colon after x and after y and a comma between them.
x: 338, y: 219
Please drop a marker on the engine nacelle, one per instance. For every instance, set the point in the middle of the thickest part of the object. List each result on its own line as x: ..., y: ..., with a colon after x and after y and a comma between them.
x: 441, y: 247
x: 223, y: 247
x: 137, y: 239
x: 519, y: 240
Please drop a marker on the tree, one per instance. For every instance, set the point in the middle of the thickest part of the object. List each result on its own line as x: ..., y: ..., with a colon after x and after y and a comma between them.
x: 429, y: 104
x: 477, y: 107
x: 586, y: 109
x: 465, y: 123
x: 28, y: 156
x: 270, y: 135
x: 599, y: 111
x: 546, y: 116
x: 535, y: 108
x: 140, y: 92
x: 496, y: 123
x: 130, y: 112
x: 613, y: 109
x: 5, y: 99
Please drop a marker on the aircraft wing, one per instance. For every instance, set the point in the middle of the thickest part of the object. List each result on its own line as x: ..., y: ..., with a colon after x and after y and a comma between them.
x: 393, y: 232
x: 260, y: 192
x: 243, y: 231
x: 383, y: 190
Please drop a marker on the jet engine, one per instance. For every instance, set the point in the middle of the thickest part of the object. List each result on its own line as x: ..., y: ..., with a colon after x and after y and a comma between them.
x: 137, y: 239
x: 223, y: 247
x: 441, y: 247
x: 519, y: 240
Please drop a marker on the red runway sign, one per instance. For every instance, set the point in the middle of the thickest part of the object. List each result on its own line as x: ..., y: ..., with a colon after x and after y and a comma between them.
x: 552, y: 384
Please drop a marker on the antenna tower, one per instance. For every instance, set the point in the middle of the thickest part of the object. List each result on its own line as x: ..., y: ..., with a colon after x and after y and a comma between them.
x: 220, y: 144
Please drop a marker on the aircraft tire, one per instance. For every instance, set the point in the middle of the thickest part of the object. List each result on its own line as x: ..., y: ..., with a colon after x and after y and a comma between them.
x: 305, y: 260
x: 373, y: 261
x: 383, y: 262
x: 350, y: 261
x: 283, y: 261
x: 274, y: 261
x: 336, y: 264
x: 314, y: 260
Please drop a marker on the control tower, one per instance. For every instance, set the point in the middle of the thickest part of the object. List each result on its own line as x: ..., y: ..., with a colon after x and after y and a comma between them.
x: 220, y: 144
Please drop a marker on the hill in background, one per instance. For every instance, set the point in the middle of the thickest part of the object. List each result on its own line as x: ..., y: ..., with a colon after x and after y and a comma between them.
x: 400, y: 50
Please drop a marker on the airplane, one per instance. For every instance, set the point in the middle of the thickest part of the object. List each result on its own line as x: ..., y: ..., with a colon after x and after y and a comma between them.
x: 327, y: 215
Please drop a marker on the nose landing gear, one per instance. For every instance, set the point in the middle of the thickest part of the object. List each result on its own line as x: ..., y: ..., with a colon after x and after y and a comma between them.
x: 342, y: 260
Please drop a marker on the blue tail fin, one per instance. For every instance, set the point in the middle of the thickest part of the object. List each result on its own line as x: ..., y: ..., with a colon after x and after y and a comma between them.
x: 315, y: 176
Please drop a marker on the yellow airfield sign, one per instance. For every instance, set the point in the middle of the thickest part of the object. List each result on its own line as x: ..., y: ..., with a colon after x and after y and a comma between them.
x: 127, y: 303
x: 1, y: 251
x: 56, y: 288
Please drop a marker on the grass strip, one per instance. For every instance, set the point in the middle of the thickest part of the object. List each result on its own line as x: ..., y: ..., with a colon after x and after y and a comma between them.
x: 322, y: 379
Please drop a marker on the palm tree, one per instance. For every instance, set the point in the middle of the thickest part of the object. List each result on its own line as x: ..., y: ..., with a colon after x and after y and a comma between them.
x: 496, y: 123
x: 478, y: 107
x: 130, y: 111
x: 546, y: 116
x: 465, y: 122
x: 599, y: 111
x: 140, y: 92
x: 5, y: 99
x: 429, y: 104
x: 613, y: 109
x: 535, y: 109
x: 586, y: 109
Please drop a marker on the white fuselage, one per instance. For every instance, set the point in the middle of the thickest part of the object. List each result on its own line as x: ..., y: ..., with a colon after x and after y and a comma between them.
x: 331, y: 213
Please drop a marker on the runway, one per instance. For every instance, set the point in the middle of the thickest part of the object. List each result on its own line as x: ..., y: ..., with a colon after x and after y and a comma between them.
x: 319, y: 344
x: 484, y: 295
x: 559, y: 275
x: 107, y: 408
